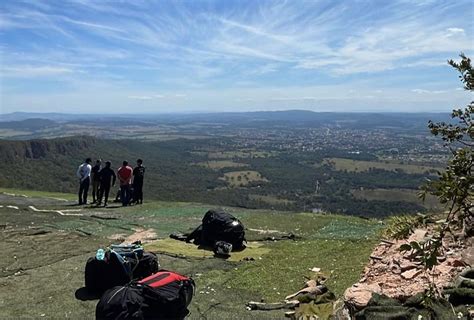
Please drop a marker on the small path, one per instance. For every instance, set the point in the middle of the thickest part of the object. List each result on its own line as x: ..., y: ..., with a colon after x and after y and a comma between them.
x: 10, y: 207
x: 264, y: 231
x: 65, y: 212
x: 15, y: 195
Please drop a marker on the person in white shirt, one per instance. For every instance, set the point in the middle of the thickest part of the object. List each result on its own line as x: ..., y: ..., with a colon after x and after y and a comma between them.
x: 84, y: 175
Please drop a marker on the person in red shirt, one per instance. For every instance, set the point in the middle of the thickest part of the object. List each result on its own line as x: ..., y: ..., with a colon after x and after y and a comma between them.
x: 124, y: 174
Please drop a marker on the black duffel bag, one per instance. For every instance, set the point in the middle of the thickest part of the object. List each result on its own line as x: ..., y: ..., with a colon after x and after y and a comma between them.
x: 102, y: 274
x: 164, y: 295
x: 167, y: 295
x: 121, y: 302
x: 118, y: 267
x: 144, y: 266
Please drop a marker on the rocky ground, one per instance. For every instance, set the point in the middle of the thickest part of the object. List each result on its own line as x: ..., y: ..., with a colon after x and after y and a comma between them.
x: 398, y: 275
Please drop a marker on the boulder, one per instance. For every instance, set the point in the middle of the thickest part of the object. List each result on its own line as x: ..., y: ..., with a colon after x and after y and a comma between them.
x: 410, y: 274
x: 417, y: 235
x: 358, y: 295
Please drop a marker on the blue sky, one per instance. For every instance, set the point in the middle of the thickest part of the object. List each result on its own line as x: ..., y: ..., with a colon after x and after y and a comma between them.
x: 190, y: 56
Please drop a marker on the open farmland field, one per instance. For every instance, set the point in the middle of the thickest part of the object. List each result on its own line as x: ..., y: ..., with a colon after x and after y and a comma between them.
x: 45, y: 253
x: 361, y: 166
x: 242, y: 178
x: 10, y: 133
x: 220, y: 164
x: 239, y: 154
x: 431, y: 202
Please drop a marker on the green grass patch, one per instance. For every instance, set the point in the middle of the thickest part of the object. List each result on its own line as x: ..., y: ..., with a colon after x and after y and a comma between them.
x: 39, y: 194
x: 349, y: 229
x: 253, y: 250
x: 284, y: 269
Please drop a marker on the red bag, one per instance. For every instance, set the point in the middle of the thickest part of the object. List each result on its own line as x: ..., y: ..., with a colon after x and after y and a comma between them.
x: 167, y: 294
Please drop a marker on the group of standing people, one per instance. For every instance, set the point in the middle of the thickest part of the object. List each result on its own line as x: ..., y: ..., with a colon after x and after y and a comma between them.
x: 103, y: 178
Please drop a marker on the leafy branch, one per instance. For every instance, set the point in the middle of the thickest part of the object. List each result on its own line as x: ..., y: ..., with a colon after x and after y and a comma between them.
x: 455, y: 186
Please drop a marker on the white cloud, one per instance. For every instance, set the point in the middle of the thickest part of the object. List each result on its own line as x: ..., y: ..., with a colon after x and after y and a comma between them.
x: 423, y: 91
x: 176, y: 47
x: 34, y: 71
x: 455, y: 30
x: 140, y: 97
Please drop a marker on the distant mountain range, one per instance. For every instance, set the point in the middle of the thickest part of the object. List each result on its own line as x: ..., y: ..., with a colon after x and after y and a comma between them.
x: 302, y: 117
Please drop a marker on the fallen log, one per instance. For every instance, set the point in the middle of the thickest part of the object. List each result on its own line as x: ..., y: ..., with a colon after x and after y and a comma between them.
x: 253, y: 305
x: 376, y: 257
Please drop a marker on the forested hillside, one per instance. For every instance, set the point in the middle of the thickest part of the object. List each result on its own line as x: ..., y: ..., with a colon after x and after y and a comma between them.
x: 208, y: 171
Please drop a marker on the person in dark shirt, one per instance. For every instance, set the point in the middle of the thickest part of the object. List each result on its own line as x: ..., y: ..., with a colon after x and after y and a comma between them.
x: 138, y: 176
x: 96, y: 180
x: 107, y: 179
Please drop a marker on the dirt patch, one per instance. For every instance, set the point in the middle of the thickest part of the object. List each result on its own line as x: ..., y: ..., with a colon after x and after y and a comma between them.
x: 117, y: 237
x: 141, y: 235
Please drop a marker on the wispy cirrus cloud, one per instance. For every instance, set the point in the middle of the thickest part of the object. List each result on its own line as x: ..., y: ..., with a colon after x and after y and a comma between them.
x: 35, y: 71
x: 424, y: 91
x: 180, y: 46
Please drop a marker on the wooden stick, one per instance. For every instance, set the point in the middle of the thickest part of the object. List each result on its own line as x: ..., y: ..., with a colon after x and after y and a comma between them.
x: 253, y: 305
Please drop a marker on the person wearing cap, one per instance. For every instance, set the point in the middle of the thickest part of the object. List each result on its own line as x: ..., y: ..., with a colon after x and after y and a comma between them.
x: 84, y: 175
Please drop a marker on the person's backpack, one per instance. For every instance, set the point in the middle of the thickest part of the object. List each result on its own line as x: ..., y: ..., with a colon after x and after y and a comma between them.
x: 164, y: 295
x: 120, y: 265
x: 218, y: 225
x: 121, y: 302
x: 167, y: 295
x: 142, y: 263
x: 134, y: 250
x: 145, y: 266
x: 113, y: 270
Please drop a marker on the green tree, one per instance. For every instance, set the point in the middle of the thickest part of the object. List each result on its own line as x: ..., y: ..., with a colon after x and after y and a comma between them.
x: 455, y: 186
